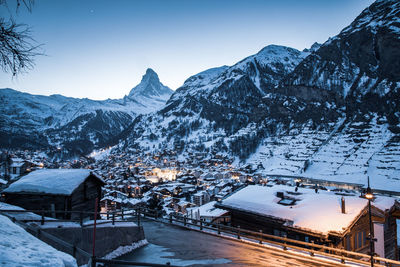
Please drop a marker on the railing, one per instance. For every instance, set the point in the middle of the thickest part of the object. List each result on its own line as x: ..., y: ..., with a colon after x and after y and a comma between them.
x: 95, y: 260
x: 135, y: 215
x: 36, y: 231
x: 70, y: 248
x: 283, y: 242
x: 110, y: 217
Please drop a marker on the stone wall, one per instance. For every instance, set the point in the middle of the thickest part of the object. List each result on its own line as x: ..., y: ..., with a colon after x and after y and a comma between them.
x: 108, y: 238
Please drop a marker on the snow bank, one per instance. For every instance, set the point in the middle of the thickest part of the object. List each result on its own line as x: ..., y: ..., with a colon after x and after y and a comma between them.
x: 21, y: 216
x: 125, y: 249
x: 19, y: 248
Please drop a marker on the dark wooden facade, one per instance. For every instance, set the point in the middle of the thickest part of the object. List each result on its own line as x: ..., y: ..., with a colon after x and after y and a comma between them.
x: 273, y: 226
x: 353, y: 239
x: 392, y: 250
x: 83, y: 198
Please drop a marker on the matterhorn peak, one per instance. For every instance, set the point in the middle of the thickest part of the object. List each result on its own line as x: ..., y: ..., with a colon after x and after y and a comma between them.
x: 150, y: 75
x: 150, y: 86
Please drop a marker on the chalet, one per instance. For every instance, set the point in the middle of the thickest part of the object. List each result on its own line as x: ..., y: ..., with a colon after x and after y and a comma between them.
x: 200, y: 198
x: 56, y: 189
x: 116, y: 200
x: 209, y: 213
x: 15, y: 167
x: 330, y: 218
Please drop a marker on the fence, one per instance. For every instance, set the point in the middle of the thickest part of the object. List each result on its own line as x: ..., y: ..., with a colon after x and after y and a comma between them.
x: 282, y: 242
x: 68, y: 247
x: 285, y: 243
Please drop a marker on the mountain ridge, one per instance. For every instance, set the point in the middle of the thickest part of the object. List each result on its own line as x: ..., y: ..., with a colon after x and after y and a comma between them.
x: 54, y: 119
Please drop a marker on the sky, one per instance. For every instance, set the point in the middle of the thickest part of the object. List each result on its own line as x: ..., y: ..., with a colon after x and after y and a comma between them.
x: 100, y: 49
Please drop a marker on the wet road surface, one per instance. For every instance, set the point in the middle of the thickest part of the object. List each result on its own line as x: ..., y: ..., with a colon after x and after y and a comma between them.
x: 185, y: 247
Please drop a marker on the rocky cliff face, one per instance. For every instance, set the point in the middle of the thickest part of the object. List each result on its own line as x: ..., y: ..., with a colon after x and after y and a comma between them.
x: 360, y: 65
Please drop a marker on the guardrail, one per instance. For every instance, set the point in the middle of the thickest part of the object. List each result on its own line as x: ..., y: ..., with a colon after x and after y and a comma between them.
x: 36, y: 231
x: 72, y: 249
x: 135, y: 215
x: 259, y: 237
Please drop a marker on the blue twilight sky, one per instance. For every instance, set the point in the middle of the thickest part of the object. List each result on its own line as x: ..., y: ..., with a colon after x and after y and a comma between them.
x: 101, y: 48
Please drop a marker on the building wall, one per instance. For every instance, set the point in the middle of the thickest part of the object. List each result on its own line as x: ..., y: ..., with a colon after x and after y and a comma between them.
x: 270, y: 226
x: 356, y: 239
x: 107, y: 238
x: 84, y: 197
x: 38, y: 202
x: 380, y: 240
x: 390, y: 233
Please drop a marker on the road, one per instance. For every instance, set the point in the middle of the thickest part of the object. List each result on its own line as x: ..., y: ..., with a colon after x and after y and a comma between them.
x: 185, y: 247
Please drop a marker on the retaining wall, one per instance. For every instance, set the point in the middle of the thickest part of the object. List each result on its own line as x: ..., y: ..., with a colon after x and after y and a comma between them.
x: 108, y: 238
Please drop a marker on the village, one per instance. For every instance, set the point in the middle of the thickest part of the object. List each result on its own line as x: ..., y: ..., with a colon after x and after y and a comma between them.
x: 210, y: 189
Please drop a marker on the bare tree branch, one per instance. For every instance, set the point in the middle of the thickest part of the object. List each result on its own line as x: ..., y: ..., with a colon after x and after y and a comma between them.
x: 17, y: 47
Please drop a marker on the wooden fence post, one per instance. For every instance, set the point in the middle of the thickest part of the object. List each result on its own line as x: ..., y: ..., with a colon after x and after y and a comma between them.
x: 122, y: 213
x: 113, y: 218
x: 312, y: 248
x: 42, y: 219
x: 170, y: 218
x: 284, y: 243
x: 219, y: 229
x: 139, y: 217
x: 261, y: 237
x: 238, y: 232
x: 201, y: 225
x: 108, y: 215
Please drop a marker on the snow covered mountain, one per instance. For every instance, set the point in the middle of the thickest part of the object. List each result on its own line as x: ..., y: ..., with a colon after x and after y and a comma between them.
x: 150, y: 88
x: 330, y: 112
x: 67, y: 122
x: 361, y: 63
x: 216, y: 103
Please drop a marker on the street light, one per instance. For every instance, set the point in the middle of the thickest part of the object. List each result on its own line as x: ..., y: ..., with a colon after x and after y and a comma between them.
x: 369, y: 195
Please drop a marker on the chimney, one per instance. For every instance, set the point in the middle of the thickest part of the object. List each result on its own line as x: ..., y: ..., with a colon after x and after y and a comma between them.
x: 343, y: 206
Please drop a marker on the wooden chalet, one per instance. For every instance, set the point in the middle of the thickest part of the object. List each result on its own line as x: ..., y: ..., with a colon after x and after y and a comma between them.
x: 56, y: 190
x: 328, y: 218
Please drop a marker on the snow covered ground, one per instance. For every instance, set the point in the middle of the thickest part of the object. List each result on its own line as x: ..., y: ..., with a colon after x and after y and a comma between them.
x: 348, y: 155
x: 19, y: 248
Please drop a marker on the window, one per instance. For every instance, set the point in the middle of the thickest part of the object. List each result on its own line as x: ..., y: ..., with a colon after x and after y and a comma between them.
x: 360, y: 239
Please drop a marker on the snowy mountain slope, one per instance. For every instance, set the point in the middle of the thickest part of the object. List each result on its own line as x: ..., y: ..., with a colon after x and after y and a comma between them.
x: 224, y: 108
x: 58, y: 119
x: 331, y: 112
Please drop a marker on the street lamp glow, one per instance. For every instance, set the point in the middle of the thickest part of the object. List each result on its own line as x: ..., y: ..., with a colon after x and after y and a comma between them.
x: 369, y: 195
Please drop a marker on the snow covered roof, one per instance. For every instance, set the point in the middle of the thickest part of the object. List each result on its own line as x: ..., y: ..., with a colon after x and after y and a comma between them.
x: 208, y: 210
x: 50, y: 181
x: 316, y: 212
